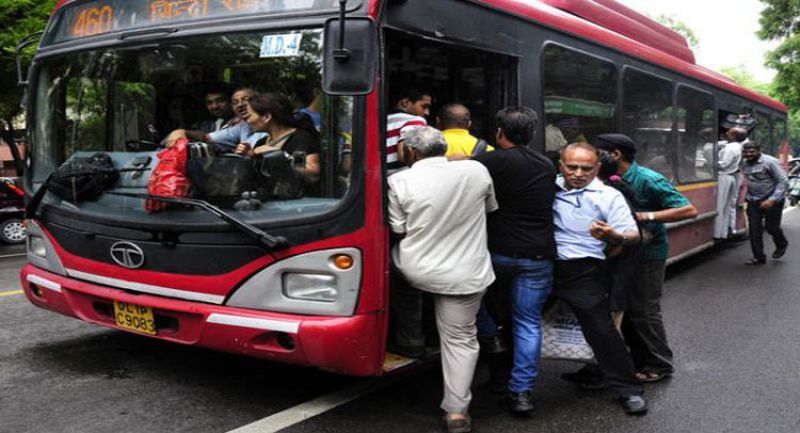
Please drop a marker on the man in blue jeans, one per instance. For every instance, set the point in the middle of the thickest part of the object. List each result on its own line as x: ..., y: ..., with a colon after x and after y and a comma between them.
x: 521, y: 242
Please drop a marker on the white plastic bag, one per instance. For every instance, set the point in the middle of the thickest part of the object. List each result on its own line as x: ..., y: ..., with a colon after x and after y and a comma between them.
x: 562, y: 337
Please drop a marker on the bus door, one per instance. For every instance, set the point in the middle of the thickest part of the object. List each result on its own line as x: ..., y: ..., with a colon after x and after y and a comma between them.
x: 482, y: 80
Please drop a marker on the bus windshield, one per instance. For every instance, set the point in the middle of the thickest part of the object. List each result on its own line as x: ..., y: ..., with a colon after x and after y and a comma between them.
x: 125, y: 102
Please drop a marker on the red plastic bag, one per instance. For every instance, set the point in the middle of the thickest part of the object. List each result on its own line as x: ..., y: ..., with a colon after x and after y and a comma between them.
x: 169, y: 177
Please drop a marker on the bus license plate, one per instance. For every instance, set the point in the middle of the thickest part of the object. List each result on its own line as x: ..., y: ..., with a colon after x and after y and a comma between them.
x: 135, y: 317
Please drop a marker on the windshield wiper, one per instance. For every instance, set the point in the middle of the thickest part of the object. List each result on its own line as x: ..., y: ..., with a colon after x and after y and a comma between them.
x: 265, y: 239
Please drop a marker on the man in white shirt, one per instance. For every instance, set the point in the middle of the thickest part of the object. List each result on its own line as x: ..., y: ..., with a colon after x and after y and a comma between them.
x: 439, y: 208
x: 729, y: 159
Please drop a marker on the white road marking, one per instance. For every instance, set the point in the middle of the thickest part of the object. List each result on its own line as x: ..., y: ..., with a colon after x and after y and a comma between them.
x: 13, y: 255
x: 297, y: 414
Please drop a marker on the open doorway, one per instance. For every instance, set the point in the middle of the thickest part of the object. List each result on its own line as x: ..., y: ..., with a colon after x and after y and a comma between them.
x: 483, y: 81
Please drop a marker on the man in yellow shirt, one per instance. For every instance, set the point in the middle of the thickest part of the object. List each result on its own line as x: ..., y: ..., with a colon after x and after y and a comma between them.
x: 454, y: 121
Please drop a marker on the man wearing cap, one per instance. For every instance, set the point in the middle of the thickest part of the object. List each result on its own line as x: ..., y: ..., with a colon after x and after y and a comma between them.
x: 658, y: 203
x: 766, y: 191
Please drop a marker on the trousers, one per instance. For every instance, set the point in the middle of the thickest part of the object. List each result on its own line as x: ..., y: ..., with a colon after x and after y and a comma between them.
x: 643, y: 324
x: 582, y: 284
x: 458, y: 339
x: 759, y: 219
x: 727, y: 192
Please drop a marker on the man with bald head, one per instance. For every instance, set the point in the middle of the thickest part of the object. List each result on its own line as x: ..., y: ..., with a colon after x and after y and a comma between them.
x: 588, y: 217
x: 454, y: 120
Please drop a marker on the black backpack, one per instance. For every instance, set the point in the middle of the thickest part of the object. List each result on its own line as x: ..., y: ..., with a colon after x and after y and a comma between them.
x: 83, y: 178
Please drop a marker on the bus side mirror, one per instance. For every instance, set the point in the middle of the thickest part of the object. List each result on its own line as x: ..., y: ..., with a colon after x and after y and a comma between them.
x: 349, y: 63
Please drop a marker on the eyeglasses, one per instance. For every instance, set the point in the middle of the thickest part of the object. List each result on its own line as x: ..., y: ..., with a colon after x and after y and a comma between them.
x: 577, y: 203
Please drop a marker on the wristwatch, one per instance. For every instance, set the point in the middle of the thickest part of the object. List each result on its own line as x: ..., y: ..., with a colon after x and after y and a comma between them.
x: 650, y: 216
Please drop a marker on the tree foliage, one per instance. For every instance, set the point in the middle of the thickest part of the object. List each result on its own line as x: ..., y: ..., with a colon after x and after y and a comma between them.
x: 20, y: 18
x: 779, y: 21
x: 680, y: 27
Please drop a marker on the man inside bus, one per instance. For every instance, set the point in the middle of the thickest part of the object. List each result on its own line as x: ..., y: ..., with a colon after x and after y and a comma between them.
x: 659, y: 202
x: 454, y: 120
x: 522, y: 243
x: 412, y: 104
x: 227, y: 139
x: 453, y: 233
x: 218, y: 104
x: 767, y: 184
x: 588, y: 217
x: 729, y: 157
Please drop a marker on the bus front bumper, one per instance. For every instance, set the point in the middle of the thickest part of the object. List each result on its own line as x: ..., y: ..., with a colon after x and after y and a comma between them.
x: 346, y: 345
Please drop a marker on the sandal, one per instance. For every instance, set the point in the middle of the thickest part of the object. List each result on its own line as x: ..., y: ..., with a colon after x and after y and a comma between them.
x: 651, y: 376
x: 755, y: 262
x: 458, y: 425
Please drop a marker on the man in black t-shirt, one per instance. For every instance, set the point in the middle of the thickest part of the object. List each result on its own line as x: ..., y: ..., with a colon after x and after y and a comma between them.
x: 522, y: 241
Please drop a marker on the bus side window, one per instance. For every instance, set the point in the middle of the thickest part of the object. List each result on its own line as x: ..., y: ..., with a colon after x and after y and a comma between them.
x: 696, y: 135
x: 580, y: 97
x: 647, y: 119
x: 763, y: 135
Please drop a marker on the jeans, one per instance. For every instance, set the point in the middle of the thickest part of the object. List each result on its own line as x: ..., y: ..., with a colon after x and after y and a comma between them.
x: 529, y: 283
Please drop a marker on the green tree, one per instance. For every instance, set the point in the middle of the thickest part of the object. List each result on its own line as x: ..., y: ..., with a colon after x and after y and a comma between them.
x: 744, y: 78
x: 680, y: 27
x: 20, y: 18
x: 779, y: 22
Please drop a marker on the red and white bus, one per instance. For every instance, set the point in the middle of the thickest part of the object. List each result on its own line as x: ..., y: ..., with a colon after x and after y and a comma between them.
x: 305, y: 280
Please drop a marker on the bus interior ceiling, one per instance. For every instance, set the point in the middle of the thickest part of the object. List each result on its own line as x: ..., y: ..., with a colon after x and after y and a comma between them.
x: 480, y: 80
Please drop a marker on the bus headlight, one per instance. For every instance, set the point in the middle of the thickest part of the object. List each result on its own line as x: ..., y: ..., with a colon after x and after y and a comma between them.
x: 321, y: 283
x: 37, y: 247
x: 310, y: 287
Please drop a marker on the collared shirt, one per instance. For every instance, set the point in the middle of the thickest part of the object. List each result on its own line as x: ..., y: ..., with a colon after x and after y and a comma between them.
x: 653, y: 193
x: 228, y: 138
x: 765, y: 179
x: 461, y: 141
x: 574, y: 212
x: 441, y: 207
x: 729, y: 157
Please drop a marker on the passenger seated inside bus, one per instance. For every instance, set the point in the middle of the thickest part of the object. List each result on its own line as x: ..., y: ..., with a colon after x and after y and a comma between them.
x: 273, y: 114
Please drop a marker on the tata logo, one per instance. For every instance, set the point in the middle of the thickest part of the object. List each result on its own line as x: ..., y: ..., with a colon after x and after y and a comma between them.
x: 127, y: 255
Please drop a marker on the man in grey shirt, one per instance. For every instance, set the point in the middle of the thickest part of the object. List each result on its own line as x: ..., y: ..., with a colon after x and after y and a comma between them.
x: 766, y: 191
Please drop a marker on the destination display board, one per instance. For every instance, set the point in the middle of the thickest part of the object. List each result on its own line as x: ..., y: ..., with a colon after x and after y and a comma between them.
x: 89, y: 18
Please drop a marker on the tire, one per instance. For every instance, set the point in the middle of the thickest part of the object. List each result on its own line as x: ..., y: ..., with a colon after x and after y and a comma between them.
x: 12, y: 231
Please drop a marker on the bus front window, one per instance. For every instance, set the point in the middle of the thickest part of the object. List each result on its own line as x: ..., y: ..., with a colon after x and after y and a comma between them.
x: 125, y: 102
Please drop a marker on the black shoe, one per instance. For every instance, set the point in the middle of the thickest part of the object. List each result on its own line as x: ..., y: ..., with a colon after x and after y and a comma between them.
x: 493, y: 344
x: 415, y: 352
x: 634, y: 405
x: 519, y: 403
x: 754, y: 261
x: 779, y: 252
x: 589, y: 373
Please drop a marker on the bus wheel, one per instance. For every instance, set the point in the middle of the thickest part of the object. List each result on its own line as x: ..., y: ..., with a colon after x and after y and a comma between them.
x: 12, y: 231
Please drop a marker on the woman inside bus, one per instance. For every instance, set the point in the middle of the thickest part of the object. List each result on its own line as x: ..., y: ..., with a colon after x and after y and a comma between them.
x: 273, y: 113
